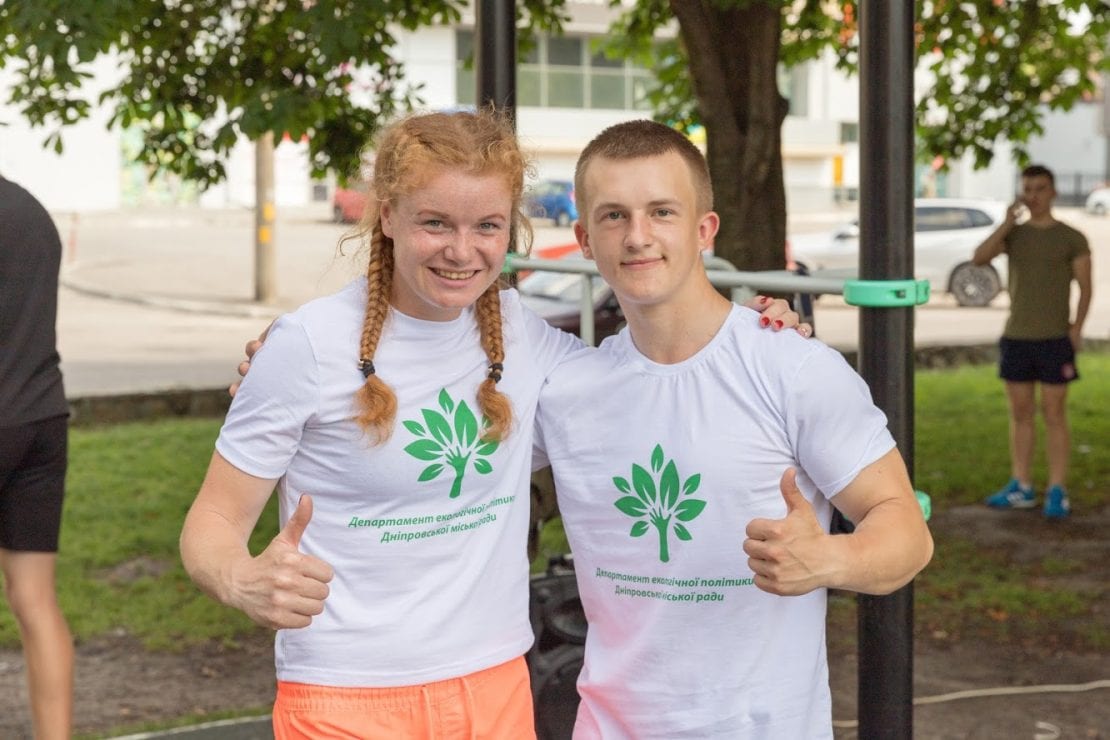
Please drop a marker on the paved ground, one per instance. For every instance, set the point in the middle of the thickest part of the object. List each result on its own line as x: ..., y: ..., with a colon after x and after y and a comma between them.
x: 153, y: 300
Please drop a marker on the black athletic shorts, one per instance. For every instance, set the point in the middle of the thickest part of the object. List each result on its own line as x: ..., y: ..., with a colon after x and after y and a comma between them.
x: 1044, y: 360
x: 32, y: 484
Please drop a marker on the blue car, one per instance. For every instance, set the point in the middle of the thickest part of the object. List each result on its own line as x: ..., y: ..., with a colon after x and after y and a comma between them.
x: 552, y: 199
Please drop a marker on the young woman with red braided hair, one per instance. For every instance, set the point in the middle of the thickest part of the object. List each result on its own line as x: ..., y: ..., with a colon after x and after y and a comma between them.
x: 395, y: 419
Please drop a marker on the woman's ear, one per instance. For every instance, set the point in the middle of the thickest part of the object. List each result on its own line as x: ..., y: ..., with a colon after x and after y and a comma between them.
x: 385, y: 215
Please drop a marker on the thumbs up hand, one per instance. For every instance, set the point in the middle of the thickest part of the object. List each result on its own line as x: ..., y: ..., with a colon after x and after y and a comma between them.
x: 789, y: 556
x: 282, y: 588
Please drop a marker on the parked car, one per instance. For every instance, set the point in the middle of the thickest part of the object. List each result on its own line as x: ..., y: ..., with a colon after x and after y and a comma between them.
x: 552, y: 199
x: 946, y: 233
x: 347, y: 204
x: 556, y: 297
x: 1098, y: 202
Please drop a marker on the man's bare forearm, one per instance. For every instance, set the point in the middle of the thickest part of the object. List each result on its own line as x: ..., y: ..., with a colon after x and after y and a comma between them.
x: 995, y: 244
x: 992, y: 246
x: 1082, y: 270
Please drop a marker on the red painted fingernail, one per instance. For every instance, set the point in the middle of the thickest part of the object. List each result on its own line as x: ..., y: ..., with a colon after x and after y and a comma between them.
x: 778, y: 324
x: 764, y: 321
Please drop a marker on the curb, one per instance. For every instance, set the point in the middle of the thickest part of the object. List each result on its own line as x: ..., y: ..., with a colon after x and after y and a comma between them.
x: 93, y: 410
x: 214, y: 402
x: 217, y: 308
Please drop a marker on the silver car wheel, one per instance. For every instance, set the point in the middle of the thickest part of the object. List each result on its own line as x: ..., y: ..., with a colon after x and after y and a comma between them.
x: 973, y: 285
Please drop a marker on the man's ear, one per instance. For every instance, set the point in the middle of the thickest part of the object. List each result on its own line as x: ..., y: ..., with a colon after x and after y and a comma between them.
x: 708, y: 225
x: 583, y: 238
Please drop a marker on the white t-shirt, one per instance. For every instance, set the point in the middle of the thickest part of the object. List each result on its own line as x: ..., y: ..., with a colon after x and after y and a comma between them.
x: 681, y: 644
x: 426, y: 532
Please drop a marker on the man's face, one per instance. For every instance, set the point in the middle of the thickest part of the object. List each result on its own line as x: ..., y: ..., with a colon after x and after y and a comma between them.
x: 642, y: 226
x: 1037, y: 194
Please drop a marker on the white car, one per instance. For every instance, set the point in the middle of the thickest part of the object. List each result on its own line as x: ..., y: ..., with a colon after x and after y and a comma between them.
x: 1098, y: 202
x: 946, y: 233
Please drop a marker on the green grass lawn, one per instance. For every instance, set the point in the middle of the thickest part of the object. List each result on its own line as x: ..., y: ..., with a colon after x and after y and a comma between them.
x: 961, y: 451
x: 961, y: 456
x: 130, y: 485
x: 128, y: 489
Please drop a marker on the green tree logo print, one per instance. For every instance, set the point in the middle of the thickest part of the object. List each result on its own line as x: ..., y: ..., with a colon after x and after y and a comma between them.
x: 659, y: 502
x: 450, y: 444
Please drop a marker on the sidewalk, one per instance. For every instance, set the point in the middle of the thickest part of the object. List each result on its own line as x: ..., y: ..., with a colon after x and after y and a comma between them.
x: 163, y: 299
x: 160, y: 300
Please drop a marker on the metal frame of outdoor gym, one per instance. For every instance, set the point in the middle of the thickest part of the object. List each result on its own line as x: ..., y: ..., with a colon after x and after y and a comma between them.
x: 885, y: 623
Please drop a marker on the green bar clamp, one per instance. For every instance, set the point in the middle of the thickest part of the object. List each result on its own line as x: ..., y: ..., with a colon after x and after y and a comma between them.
x: 926, y: 503
x: 886, y: 293
x: 508, y: 268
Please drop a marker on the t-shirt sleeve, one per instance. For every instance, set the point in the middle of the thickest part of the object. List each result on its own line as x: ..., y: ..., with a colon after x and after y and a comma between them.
x: 276, y: 399
x: 550, y: 346
x: 1079, y: 245
x: 835, y: 427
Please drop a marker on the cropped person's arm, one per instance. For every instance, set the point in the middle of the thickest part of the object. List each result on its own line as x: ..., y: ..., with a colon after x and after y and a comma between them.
x: 890, y: 545
x: 279, y: 588
x: 1081, y: 271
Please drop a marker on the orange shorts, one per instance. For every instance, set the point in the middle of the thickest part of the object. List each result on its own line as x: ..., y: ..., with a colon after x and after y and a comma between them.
x: 494, y: 704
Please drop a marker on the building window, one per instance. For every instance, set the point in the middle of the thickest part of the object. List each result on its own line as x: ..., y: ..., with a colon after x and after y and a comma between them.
x: 849, y: 132
x: 561, y: 72
x: 566, y: 76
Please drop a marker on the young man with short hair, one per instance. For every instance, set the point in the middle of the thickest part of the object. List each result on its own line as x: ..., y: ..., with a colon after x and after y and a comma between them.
x: 1040, y: 341
x: 697, y: 461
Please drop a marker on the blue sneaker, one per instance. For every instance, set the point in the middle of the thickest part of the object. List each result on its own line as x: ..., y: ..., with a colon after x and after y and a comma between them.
x: 1013, y: 496
x: 1056, y: 505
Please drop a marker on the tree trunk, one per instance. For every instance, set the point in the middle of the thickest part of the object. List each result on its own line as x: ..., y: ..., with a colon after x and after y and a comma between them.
x: 740, y: 104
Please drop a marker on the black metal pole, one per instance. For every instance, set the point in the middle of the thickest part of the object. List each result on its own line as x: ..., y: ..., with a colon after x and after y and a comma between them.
x: 495, y: 64
x: 495, y: 54
x: 886, y: 334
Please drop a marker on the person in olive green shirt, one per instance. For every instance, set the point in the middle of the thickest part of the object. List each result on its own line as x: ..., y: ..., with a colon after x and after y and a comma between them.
x: 1041, y: 339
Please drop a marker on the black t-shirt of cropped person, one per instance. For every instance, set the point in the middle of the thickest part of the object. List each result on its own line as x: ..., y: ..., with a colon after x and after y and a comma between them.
x: 30, y: 256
